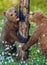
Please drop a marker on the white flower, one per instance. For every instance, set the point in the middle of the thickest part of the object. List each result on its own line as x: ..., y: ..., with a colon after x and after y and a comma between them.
x: 10, y: 46
x: 46, y: 63
x: 9, y: 53
x: 39, y: 43
x: 8, y: 57
x: 17, y: 54
x: 2, y: 41
x: 5, y: 62
x: 37, y: 59
x: 13, y: 44
x: 3, y: 53
x: 21, y: 62
x: 13, y: 54
x: 6, y: 48
x: 9, y: 61
x: 26, y: 64
x: 2, y: 58
x: 38, y: 51
x: 20, y: 46
x: 12, y: 60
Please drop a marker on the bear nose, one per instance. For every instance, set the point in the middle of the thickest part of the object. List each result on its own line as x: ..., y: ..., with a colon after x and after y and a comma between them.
x: 15, y: 14
x: 30, y: 12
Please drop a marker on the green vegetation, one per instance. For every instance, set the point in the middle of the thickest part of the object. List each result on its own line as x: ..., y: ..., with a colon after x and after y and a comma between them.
x: 38, y: 5
x: 37, y: 58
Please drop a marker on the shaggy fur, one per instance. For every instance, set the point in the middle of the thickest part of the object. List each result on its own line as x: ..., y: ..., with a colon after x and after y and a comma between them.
x: 10, y: 29
x: 40, y: 33
x: 10, y: 33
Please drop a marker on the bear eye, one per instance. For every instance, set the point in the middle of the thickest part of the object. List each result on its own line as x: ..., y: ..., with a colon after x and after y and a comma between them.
x: 11, y: 14
x: 33, y: 13
x: 15, y: 11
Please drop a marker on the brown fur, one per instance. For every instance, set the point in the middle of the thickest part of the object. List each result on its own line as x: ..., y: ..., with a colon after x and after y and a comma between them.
x: 40, y: 33
x: 9, y: 33
x: 11, y: 27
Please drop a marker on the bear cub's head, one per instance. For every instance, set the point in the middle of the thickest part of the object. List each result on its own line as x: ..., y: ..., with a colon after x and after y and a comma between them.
x: 12, y: 14
x: 37, y: 17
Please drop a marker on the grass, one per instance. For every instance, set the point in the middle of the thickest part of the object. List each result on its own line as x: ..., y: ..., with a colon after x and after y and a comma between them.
x: 37, y: 58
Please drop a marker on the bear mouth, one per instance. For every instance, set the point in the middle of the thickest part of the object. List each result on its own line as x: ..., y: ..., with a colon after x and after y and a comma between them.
x: 17, y: 19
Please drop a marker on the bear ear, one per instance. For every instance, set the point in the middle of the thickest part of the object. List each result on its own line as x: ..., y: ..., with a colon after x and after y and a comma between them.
x: 4, y: 13
x: 16, y: 7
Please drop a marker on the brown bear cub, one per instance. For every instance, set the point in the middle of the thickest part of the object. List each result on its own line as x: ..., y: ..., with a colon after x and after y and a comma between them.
x: 10, y: 33
x: 40, y: 33
x: 10, y: 29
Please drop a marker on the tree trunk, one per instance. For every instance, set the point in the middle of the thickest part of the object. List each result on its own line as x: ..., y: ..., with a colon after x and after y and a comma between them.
x: 24, y: 23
